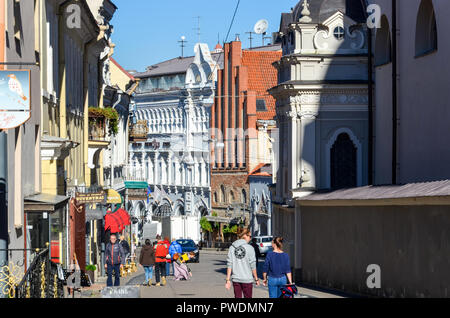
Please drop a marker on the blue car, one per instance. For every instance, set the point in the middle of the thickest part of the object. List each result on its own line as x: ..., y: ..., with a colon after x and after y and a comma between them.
x: 188, y: 246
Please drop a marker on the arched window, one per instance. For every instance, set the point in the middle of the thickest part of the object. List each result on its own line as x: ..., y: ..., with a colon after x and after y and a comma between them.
x: 383, y: 43
x: 232, y: 198
x: 343, y: 163
x: 244, y: 196
x: 223, y: 197
x: 426, y: 29
x: 215, y: 197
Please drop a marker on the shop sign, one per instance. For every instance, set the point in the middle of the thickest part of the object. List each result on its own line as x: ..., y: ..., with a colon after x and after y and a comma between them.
x: 90, y: 198
x: 137, y: 194
x: 15, y: 105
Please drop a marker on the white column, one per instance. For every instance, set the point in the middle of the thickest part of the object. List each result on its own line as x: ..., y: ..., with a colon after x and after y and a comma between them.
x: 308, y: 162
x: 156, y: 176
x: 150, y: 178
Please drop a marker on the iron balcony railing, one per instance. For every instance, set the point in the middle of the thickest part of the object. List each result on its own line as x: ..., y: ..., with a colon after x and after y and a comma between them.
x: 41, y: 280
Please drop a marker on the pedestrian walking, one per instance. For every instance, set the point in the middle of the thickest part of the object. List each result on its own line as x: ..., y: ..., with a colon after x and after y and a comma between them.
x: 161, y: 252
x: 125, y: 245
x: 168, y: 258
x: 241, y: 266
x: 174, y: 248
x: 147, y: 260
x: 277, y: 269
x: 115, y: 259
x: 257, y: 252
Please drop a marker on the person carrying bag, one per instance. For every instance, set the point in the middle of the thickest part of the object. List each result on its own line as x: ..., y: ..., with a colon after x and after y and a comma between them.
x: 277, y: 270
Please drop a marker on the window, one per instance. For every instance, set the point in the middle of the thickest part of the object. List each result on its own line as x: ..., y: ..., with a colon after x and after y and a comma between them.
x: 426, y: 29
x: 222, y: 194
x: 383, y: 43
x: 231, y: 196
x: 244, y: 196
x: 343, y: 163
x: 339, y: 33
x: 215, y: 197
x: 261, y: 105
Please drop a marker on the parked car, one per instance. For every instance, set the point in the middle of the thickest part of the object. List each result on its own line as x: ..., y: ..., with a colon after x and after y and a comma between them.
x: 188, y: 246
x: 264, y: 244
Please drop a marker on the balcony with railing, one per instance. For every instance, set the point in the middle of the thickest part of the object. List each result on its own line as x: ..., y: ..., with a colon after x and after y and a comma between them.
x: 139, y: 131
x: 97, y: 128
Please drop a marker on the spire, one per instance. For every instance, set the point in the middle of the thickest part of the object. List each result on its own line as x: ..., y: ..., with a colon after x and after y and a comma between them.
x: 305, y: 13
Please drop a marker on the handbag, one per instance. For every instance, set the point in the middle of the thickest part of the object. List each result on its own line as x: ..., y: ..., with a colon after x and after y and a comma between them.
x: 288, y: 291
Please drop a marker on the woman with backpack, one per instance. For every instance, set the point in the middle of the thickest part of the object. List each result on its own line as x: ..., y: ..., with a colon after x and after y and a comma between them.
x: 147, y: 260
x: 277, y: 269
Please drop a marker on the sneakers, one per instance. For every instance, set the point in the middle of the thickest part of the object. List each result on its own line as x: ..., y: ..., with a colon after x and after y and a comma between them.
x: 158, y: 284
x: 149, y: 282
x: 163, y: 280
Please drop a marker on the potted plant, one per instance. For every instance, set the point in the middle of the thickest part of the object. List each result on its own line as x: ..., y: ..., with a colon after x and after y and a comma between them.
x: 90, y: 270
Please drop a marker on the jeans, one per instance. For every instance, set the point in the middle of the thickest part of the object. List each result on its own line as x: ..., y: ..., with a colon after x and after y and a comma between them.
x: 148, y: 273
x: 168, y: 266
x: 110, y: 268
x: 160, y: 270
x: 275, y: 285
x: 243, y: 288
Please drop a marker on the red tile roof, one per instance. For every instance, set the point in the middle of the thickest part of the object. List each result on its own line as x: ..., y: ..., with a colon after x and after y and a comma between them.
x: 262, y: 76
x: 257, y: 171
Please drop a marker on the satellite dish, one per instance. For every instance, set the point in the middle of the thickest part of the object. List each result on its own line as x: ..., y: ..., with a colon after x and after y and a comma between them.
x: 261, y: 26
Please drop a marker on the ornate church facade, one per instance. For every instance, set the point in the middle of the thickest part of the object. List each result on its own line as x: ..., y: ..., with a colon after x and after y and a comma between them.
x: 322, y: 108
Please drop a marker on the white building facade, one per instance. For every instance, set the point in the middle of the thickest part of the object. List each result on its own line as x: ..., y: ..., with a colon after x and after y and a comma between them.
x: 174, y: 158
x: 322, y: 108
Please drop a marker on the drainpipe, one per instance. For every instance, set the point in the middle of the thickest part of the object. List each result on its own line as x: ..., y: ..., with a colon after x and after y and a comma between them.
x: 3, y: 167
x: 394, y: 92
x: 120, y: 95
x: 370, y: 98
x: 3, y: 206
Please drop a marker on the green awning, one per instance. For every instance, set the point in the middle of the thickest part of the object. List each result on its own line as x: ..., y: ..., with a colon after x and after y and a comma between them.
x: 136, y: 185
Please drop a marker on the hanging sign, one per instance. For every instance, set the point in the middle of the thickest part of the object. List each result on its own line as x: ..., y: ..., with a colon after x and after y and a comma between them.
x: 82, y: 198
x: 15, y: 104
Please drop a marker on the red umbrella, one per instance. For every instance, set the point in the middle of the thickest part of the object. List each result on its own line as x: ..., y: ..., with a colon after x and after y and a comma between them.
x: 113, y: 223
x: 124, y: 216
x: 116, y: 221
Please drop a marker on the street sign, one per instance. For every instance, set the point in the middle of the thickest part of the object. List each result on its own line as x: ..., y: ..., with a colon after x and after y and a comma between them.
x: 15, y: 96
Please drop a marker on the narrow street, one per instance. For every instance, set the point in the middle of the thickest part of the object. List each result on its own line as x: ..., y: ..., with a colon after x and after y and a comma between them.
x: 208, y: 281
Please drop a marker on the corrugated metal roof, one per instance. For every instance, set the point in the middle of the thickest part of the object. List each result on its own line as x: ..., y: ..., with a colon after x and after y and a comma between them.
x: 411, y: 190
x: 177, y: 65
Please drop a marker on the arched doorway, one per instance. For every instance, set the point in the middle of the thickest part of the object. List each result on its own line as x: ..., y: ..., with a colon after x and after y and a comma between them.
x: 343, y: 163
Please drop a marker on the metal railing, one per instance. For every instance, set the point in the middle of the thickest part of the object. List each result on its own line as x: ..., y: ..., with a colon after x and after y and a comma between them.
x: 134, y: 173
x: 97, y: 128
x: 41, y: 279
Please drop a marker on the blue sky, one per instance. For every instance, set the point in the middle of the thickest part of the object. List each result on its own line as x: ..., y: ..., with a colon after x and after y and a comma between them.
x: 147, y: 31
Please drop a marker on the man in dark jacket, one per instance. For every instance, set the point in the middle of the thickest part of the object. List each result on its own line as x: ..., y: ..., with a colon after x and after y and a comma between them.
x: 115, y: 259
